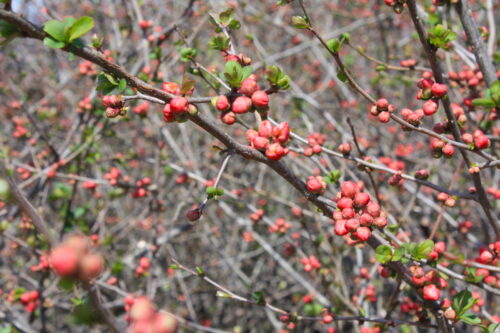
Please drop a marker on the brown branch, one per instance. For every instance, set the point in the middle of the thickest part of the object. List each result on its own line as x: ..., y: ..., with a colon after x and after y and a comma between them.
x: 438, y: 75
x: 475, y: 40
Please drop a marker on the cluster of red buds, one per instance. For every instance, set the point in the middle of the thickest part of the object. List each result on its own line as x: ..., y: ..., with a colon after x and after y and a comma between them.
x: 477, y: 138
x: 314, y: 140
x: 84, y: 105
x: 440, y: 148
x: 241, y: 58
x: 445, y: 199
x: 42, y: 265
x: 144, y: 266
x: 431, y: 282
x: 410, y: 63
x: 438, y: 250
x: 382, y: 110
x: 280, y: 226
x: 407, y: 305
x: 179, y: 108
x: 467, y: 77
x: 316, y: 184
x: 252, y: 98
x: 489, y: 256
x: 141, y: 109
x: 113, y: 176
x: 356, y: 214
x: 257, y: 216
x: 87, y: 68
x: 396, y: 5
x: 141, y: 188
x: 143, y: 317
x: 30, y: 300
x: 19, y: 130
x: 115, y: 106
x: 73, y: 258
x: 345, y: 148
x: 270, y: 139
x: 310, y: 263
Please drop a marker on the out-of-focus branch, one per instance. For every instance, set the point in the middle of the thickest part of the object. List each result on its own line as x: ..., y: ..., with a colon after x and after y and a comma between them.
x: 475, y: 40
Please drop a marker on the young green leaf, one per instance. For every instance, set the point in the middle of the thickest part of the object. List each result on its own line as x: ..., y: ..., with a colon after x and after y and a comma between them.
x: 383, y: 253
x: 53, y: 43
x: 56, y: 30
x: 80, y: 27
x: 483, y: 102
x: 299, y: 22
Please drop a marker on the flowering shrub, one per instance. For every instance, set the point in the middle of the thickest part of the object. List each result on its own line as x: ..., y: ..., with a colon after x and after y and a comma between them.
x: 280, y: 165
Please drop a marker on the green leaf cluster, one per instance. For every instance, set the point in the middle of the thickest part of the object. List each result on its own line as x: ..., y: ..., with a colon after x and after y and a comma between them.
x: 333, y: 176
x: 300, y: 22
x: 334, y: 44
x: 491, y: 98
x: 463, y: 302
x: 213, y: 192
x: 106, y: 83
x: 277, y: 78
x: 385, y: 253
x: 234, y: 73
x: 187, y: 54
x: 62, y: 33
x: 220, y: 43
x: 440, y: 37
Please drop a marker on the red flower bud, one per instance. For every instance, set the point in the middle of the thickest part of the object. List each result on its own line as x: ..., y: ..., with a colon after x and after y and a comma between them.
x: 241, y: 104
x: 171, y: 88
x: 178, y: 104
x: 248, y: 87
x: 439, y: 90
x: 430, y: 107
x: 260, y: 99
x: 481, y: 142
x: 222, y: 103
x: 431, y: 293
x: 362, y: 233
x: 260, y: 143
x: 282, y: 132
x: 265, y: 129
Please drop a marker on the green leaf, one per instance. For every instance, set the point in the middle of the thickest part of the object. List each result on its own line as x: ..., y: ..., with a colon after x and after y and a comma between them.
x: 4, y: 190
x: 7, y: 29
x: 259, y: 298
x: 494, y: 91
x: 334, y: 45
x: 55, y: 29
x: 122, y: 85
x: 462, y: 302
x: 383, y: 253
x: 470, y: 319
x: 187, y: 53
x: 200, y: 271
x: 247, y: 71
x: 492, y: 328
x: 211, y: 190
x: 80, y: 27
x: 424, y: 249
x: 341, y: 76
x: 234, y: 25
x: 53, y: 43
x: 484, y: 102
x: 66, y: 283
x: 186, y: 85
x: 299, y: 22
x: 111, y: 79
x: 220, y: 43
x: 399, y: 254
x: 226, y: 16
